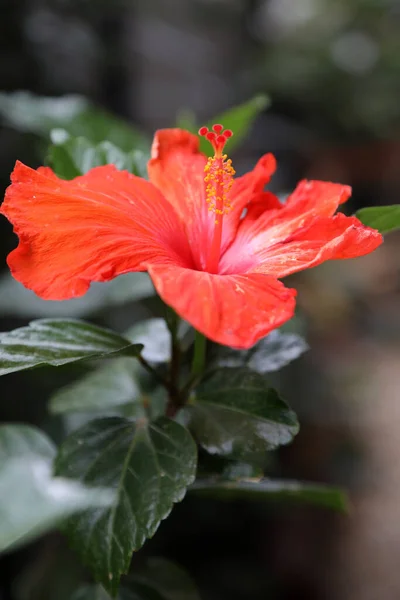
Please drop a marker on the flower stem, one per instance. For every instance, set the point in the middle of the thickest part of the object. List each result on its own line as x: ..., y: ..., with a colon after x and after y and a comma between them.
x: 199, y: 354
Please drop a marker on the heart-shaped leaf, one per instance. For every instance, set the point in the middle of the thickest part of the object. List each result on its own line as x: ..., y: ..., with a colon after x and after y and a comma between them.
x: 149, y: 465
x: 32, y: 501
x: 271, y: 353
x: 383, y: 218
x: 57, y: 342
x: 235, y: 413
x: 278, y: 490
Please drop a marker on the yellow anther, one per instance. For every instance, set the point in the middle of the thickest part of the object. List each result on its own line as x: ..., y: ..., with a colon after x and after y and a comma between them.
x: 219, y: 179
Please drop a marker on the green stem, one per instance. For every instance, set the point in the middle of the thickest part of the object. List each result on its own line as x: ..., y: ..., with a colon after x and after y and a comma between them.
x: 172, y: 320
x: 199, y: 354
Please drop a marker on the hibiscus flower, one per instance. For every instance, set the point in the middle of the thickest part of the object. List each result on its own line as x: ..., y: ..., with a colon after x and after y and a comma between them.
x: 214, y: 246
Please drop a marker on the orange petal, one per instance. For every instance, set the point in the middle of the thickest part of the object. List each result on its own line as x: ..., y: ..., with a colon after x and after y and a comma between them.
x: 92, y: 228
x: 326, y: 238
x: 234, y: 310
x: 309, y: 200
x: 176, y: 168
x: 261, y: 203
x: 248, y: 192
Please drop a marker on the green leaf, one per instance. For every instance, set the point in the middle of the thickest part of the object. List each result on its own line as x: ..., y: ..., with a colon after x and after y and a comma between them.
x: 271, y: 353
x: 57, y: 342
x: 17, y: 300
x: 383, y: 218
x: 239, y: 119
x: 37, y: 114
x: 149, y: 465
x: 76, y: 156
x: 236, y: 414
x: 31, y: 500
x: 278, y: 490
x: 112, y: 385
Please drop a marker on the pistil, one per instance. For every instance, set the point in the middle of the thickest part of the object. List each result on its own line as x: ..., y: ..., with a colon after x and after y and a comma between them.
x: 218, y: 178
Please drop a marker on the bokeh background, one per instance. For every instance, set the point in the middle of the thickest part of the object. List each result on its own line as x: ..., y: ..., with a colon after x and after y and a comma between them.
x: 332, y: 71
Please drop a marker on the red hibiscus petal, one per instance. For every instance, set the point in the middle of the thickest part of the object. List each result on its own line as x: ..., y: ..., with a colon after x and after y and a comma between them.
x: 176, y: 168
x: 261, y: 203
x: 326, y: 238
x: 309, y: 200
x: 235, y: 310
x: 248, y: 192
x: 92, y: 228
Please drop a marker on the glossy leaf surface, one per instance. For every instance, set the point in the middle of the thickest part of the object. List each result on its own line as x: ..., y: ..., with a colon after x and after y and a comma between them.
x: 271, y: 353
x: 236, y: 413
x: 148, y: 465
x: 57, y: 342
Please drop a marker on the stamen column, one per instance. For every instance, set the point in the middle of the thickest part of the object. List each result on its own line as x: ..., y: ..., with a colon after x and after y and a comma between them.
x: 219, y: 178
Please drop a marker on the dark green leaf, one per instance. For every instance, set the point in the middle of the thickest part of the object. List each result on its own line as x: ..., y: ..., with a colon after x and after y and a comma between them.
x: 31, y: 500
x: 57, y: 342
x: 236, y: 414
x: 15, y: 299
x: 271, y: 353
x: 76, y: 156
x: 149, y: 465
x: 239, y: 119
x: 114, y: 384
x: 383, y: 218
x: 36, y: 114
x: 278, y: 490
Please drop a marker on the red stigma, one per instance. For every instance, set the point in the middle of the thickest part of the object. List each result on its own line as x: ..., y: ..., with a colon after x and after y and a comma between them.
x: 217, y: 128
x: 217, y: 137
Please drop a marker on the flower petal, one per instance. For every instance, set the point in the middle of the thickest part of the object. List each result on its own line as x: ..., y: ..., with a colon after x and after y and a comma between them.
x: 235, y: 310
x: 326, y: 238
x: 248, y: 192
x: 309, y: 200
x: 176, y: 168
x: 92, y: 228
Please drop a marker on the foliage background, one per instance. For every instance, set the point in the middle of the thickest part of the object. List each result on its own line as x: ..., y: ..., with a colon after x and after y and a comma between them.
x: 331, y: 68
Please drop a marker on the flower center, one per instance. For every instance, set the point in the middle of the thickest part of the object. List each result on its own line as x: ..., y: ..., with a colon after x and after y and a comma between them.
x: 219, y: 178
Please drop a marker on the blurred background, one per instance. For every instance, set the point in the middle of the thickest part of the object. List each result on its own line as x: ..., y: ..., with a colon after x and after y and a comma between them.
x: 331, y: 69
